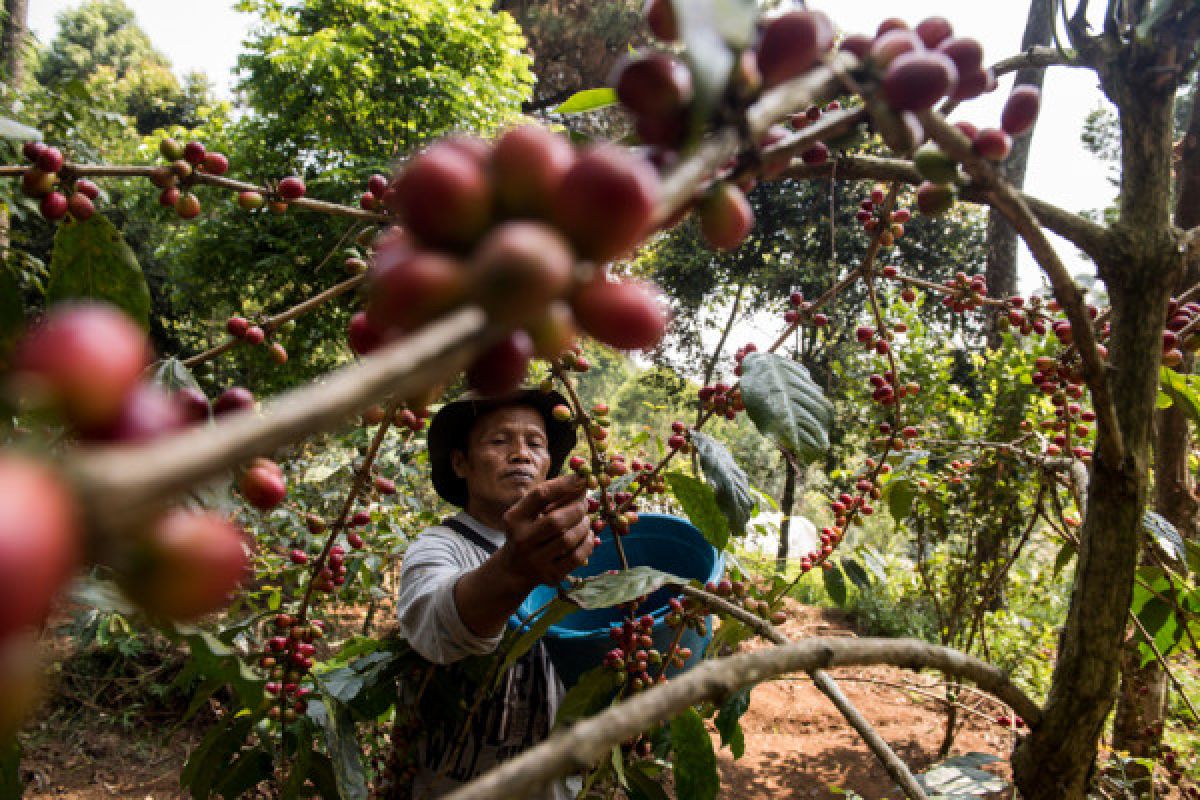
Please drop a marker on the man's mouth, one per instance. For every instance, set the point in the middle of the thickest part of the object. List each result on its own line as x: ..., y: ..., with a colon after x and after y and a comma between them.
x: 518, y: 475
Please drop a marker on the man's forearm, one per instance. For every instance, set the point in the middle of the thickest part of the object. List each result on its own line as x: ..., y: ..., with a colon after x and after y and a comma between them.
x: 488, y: 595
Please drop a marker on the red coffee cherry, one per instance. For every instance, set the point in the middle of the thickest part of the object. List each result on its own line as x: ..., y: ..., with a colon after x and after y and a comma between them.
x: 791, y: 44
x: 974, y: 84
x: 187, y: 564
x: 148, y: 412
x: 625, y: 315
x: 915, y: 81
x: 816, y: 155
x: 528, y: 164
x: 194, y: 153
x: 377, y: 185
x: 168, y: 197
x: 409, y: 288
x: 87, y: 188
x: 660, y: 17
x: 54, y: 206
x: 235, y: 398
x: 279, y: 353
x: 993, y: 144
x: 605, y: 202
x: 444, y: 196
x: 83, y: 360
x: 32, y: 150
x: 50, y: 159
x: 187, y: 206
x: 215, y: 164
x: 255, y: 335
x: 81, y: 206
x: 519, y: 268
x: 363, y: 338
x: 892, y: 44
x: 39, y: 542
x: 1021, y: 110
x: 35, y: 183
x: 934, y: 198
x: 934, y: 30
x: 502, y: 367
x: 263, y: 484
x: 654, y: 85
x: 237, y: 326
x: 726, y: 217
x: 194, y: 403
x: 291, y: 188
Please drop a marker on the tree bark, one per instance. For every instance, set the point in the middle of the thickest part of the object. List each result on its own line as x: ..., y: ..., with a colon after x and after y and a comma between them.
x: 1056, y: 760
x: 12, y: 43
x: 789, y: 502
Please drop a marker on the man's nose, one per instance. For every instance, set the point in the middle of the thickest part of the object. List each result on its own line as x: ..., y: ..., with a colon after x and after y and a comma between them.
x: 521, y: 453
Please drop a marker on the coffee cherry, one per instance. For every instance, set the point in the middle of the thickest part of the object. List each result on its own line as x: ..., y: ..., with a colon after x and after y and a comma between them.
x: 501, y: 368
x: 255, y: 335
x: 816, y: 155
x: 660, y: 18
x: 237, y: 326
x: 279, y: 353
x: 561, y: 413
x: 519, y: 268
x: 215, y: 164
x: 967, y: 55
x: 263, y: 484
x: 187, y: 206
x: 934, y: 198
x: 84, y: 360
x: 791, y: 44
x: 654, y: 85
x: 915, y: 81
x: 39, y: 542
x: 87, y: 188
x: 368, y: 201
x: 973, y: 84
x: 194, y: 153
x: 181, y: 169
x: 194, y: 404
x: 554, y: 331
x: 81, y: 207
x: 363, y: 338
x: 235, y: 398
x: 408, y: 288
x: 291, y: 188
x: 250, y: 201
x: 50, y: 159
x: 377, y: 185
x: 1020, y: 110
x: 277, y: 207
x: 54, y: 206
x: 626, y: 315
x: 934, y: 30
x: 993, y: 144
x: 934, y: 165
x: 527, y: 164
x: 32, y: 150
x: 148, y: 412
x: 35, y: 183
x: 444, y: 196
x: 168, y: 197
x: 187, y: 564
x: 605, y: 202
x: 726, y: 217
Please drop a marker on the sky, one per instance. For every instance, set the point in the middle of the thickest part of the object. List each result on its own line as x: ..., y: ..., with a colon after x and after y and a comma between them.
x: 206, y: 35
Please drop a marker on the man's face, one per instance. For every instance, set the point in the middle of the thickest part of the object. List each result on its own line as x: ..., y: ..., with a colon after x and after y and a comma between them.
x: 507, y: 454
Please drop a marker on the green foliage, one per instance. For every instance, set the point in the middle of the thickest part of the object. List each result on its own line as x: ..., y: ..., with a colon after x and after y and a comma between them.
x: 728, y: 480
x: 786, y: 405
x: 92, y: 261
x: 700, y: 504
x: 694, y: 761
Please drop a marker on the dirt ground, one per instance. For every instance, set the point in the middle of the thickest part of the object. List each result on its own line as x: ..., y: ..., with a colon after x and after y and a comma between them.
x: 797, y: 745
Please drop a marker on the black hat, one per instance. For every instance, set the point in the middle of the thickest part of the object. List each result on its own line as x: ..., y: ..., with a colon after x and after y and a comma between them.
x: 453, y: 422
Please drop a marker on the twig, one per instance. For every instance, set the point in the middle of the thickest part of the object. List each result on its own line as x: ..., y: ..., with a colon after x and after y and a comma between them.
x: 586, y: 742
x: 1163, y: 663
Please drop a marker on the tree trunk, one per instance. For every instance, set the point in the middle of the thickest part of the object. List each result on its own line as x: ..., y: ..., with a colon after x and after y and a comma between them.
x: 1056, y: 760
x: 12, y: 43
x: 789, y: 501
x: 1142, y: 703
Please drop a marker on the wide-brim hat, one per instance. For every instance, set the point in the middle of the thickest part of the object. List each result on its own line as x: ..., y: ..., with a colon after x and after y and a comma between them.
x: 452, y: 425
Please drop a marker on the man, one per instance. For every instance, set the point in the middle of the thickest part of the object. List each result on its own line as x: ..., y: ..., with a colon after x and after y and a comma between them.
x: 461, y: 581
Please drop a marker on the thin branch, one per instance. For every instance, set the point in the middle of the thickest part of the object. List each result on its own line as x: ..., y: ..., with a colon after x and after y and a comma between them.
x: 1163, y: 663
x: 585, y: 743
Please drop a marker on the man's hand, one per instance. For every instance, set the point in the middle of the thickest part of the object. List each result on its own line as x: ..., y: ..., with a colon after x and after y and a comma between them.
x: 548, y: 532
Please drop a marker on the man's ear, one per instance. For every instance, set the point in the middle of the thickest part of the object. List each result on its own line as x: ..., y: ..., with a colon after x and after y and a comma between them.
x: 458, y: 461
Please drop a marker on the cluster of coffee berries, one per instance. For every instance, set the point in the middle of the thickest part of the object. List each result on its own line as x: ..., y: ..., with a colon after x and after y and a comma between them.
x: 646, y: 473
x: 240, y: 328
x: 504, y: 225
x: 1179, y: 335
x: 721, y: 399
x: 818, y: 153
x: 176, y: 179
x: 635, y: 657
x: 872, y: 338
x: 372, y: 198
x: 739, y: 591
x: 1069, y: 427
x: 740, y: 354
x: 1023, y: 317
x: 870, y: 216
x: 886, y: 390
x: 411, y: 416
x: 965, y: 293
x: 726, y: 217
x: 39, y: 182
x: 1174, y: 767
x: 287, y: 662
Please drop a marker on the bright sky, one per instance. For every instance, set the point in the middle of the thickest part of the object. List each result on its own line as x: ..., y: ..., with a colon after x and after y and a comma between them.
x: 206, y: 35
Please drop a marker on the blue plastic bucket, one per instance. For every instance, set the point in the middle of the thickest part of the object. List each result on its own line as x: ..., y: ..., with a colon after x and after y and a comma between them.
x: 580, y: 640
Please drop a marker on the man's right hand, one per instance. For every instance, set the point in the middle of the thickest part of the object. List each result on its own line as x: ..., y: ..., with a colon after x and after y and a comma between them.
x: 548, y: 532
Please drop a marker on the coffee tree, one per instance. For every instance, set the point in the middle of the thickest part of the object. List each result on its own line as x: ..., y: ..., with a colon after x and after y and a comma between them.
x: 487, y: 255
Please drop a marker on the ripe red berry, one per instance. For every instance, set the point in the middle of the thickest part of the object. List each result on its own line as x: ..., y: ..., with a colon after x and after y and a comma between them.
x: 237, y: 326
x: 39, y: 542
x: 816, y: 155
x: 1021, y: 110
x: 973, y: 84
x: 527, y: 164
x: 187, y: 206
x: 50, y: 159
x: 915, y: 81
x: 967, y: 54
x: 444, y: 196
x: 187, y: 564
x: 363, y: 338
x: 148, y: 412
x: 87, y: 188
x: 194, y: 153
x: 626, y: 315
x: 168, y: 197
x: 660, y: 17
x: 255, y: 335
x: 263, y: 484
x: 367, y: 201
x: 726, y: 217
x: 291, y: 188
x: 235, y: 398
x: 83, y: 360
x: 934, y: 30
x: 501, y: 367
x: 377, y: 185
x: 519, y: 268
x: 408, y: 288
x: 215, y: 164
x: 32, y: 150
x: 605, y: 202
x: 81, y: 207
x: 279, y: 353
x: 791, y: 44
x: 993, y: 144
x: 54, y: 206
x: 654, y: 85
